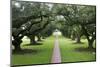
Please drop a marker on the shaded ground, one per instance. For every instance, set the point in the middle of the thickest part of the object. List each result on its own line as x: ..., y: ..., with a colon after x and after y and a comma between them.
x: 85, y: 49
x: 36, y: 44
x: 25, y: 51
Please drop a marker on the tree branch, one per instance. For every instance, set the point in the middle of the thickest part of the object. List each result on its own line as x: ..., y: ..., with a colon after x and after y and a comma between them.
x: 18, y: 22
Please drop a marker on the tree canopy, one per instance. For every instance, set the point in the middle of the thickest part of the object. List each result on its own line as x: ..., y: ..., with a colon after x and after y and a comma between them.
x: 41, y: 19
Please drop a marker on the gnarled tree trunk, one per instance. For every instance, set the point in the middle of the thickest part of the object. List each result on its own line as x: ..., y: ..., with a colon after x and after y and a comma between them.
x: 16, y: 43
x: 90, y: 40
x: 32, y: 39
x: 39, y: 38
x: 90, y: 43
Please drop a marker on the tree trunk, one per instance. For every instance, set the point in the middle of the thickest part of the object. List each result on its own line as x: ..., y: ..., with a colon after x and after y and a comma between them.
x: 39, y: 37
x: 73, y: 36
x: 32, y: 39
x: 16, y: 44
x: 17, y: 48
x: 90, y: 41
x: 78, y: 39
x: 90, y: 44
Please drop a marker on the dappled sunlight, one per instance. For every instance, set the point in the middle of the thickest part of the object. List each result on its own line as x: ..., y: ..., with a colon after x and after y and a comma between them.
x: 25, y: 40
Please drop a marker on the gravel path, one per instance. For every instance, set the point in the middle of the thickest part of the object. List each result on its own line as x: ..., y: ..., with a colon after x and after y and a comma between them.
x: 56, y: 57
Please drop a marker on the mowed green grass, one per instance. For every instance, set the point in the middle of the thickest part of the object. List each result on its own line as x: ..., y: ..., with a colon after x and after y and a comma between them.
x: 42, y: 54
x: 73, y: 52
x: 34, y: 54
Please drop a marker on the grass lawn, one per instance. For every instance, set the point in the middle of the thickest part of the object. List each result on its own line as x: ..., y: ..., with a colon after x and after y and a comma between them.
x: 73, y: 52
x: 34, y: 54
x: 42, y: 53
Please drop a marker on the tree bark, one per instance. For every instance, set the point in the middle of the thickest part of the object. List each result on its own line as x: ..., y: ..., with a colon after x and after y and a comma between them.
x: 78, y: 39
x: 90, y: 43
x: 16, y: 44
x: 39, y: 38
x: 32, y: 39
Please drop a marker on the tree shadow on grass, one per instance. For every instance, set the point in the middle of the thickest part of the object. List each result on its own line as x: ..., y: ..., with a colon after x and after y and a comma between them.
x: 25, y: 51
x: 81, y: 49
x: 35, y: 44
x: 78, y: 43
x: 40, y: 40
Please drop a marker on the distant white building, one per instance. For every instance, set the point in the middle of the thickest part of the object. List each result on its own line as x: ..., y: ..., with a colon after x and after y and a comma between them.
x: 57, y: 32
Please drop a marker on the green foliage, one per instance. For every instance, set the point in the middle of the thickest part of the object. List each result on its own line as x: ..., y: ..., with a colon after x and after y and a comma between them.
x: 43, y: 18
x: 81, y: 20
